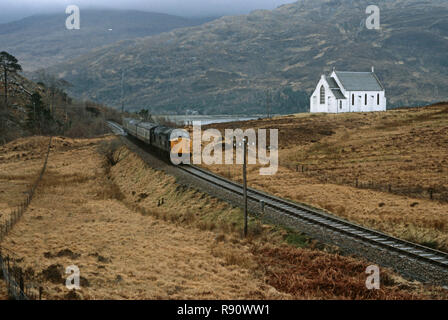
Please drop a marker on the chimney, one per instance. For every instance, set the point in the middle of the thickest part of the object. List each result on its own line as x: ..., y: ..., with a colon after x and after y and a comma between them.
x: 373, y: 69
x: 322, y: 77
x: 334, y: 69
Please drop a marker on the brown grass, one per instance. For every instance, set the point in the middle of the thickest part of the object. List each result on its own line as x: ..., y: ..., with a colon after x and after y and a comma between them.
x: 128, y: 244
x: 309, y: 274
x: 134, y: 176
x: 396, y: 157
x: 121, y: 253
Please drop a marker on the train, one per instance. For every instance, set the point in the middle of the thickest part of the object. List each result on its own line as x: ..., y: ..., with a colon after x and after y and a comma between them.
x: 164, y: 139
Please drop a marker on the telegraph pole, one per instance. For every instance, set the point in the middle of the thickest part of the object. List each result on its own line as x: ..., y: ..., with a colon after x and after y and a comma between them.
x: 245, y: 184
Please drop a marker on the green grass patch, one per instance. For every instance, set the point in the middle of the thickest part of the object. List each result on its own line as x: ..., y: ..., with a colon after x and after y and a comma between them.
x: 296, y: 239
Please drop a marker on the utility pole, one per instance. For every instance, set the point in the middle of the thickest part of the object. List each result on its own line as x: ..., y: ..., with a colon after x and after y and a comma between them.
x: 122, y: 91
x: 245, y: 184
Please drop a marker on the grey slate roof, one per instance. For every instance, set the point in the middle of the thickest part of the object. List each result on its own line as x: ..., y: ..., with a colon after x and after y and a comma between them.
x: 359, y: 81
x: 332, y: 83
x: 338, y: 94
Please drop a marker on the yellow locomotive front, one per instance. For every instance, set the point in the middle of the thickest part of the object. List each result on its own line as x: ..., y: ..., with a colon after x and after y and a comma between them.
x: 181, y: 144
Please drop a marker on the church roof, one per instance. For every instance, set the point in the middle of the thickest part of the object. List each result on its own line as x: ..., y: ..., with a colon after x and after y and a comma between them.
x: 332, y: 83
x: 338, y: 93
x: 359, y: 81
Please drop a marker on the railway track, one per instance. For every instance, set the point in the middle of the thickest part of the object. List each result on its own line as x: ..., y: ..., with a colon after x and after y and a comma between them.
x: 315, y: 217
x: 116, y: 128
x: 319, y: 218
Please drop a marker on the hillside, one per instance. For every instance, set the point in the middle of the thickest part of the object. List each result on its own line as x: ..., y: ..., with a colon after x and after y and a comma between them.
x: 384, y: 170
x: 128, y: 247
x: 226, y: 66
x: 54, y: 112
x: 43, y: 40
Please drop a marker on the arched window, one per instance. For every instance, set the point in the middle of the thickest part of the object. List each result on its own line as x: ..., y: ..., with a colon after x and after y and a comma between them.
x: 378, y: 99
x: 322, y: 95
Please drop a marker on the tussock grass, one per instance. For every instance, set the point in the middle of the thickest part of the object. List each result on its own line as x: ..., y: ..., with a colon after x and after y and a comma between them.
x: 375, y: 169
x: 129, y: 244
x: 187, y: 207
x: 126, y: 246
x: 301, y: 272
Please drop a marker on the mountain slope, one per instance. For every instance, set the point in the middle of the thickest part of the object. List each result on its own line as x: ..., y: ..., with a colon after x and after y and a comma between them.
x: 42, y: 40
x: 226, y: 65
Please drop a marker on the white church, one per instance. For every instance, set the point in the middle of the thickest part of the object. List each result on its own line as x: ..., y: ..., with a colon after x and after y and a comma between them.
x: 344, y: 91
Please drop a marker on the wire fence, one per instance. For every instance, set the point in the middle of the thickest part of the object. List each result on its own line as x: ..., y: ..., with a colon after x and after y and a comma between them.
x: 21, y: 284
x: 437, y: 193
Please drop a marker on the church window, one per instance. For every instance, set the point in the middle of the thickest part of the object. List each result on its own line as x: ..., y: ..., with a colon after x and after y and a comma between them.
x: 322, y: 95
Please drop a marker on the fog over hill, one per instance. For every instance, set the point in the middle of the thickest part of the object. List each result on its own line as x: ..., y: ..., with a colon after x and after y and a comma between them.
x: 11, y: 10
x: 43, y: 40
x: 226, y: 65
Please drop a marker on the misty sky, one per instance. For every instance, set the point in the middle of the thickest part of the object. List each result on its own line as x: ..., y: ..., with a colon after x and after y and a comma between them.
x: 15, y: 9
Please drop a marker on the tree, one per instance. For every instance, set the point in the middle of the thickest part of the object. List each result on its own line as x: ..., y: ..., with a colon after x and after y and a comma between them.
x: 53, y: 86
x: 39, y: 117
x: 8, y: 64
x: 144, y: 113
